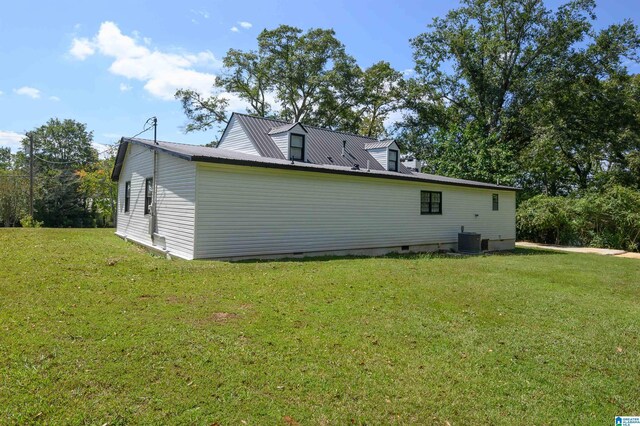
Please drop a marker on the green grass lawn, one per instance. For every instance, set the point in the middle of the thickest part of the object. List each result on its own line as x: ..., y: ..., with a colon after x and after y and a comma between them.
x: 95, y: 330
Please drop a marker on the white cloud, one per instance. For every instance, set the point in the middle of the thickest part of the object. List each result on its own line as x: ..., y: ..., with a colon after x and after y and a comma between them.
x: 31, y: 92
x: 81, y: 48
x: 234, y: 29
x: 54, y: 98
x: 124, y: 87
x: 162, y: 72
x: 11, y: 139
x: 202, y: 13
x: 245, y: 24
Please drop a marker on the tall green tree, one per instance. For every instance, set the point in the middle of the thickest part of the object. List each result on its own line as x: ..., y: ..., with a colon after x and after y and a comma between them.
x: 62, y: 145
x: 298, y: 75
x: 479, y: 69
x: 589, y: 108
x: 381, y: 95
x: 61, y: 149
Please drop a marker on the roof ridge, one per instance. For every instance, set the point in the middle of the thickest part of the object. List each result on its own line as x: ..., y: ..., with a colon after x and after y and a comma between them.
x: 310, y: 125
x: 169, y: 142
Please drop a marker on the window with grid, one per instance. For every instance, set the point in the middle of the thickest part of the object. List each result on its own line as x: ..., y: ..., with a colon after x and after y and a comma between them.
x: 393, y: 160
x: 495, y: 201
x: 127, y: 196
x: 296, y: 147
x: 430, y: 202
x: 148, y: 195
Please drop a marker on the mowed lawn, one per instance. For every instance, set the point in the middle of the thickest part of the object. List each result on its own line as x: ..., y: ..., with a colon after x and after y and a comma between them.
x: 94, y: 330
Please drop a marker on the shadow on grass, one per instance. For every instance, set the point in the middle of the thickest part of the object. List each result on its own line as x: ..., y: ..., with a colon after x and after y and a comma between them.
x: 410, y: 256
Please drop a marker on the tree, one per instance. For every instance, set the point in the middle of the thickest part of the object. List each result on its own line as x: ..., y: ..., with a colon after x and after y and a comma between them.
x: 14, y: 193
x: 62, y: 145
x: 61, y: 203
x: 5, y: 158
x: 99, y: 191
x: 589, y: 108
x: 203, y: 112
x: 298, y: 76
x: 61, y: 148
x: 381, y: 95
x: 249, y: 77
x: 477, y: 70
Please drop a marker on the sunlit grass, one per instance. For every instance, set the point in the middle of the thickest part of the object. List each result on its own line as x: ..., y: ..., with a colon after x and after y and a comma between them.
x: 96, y: 330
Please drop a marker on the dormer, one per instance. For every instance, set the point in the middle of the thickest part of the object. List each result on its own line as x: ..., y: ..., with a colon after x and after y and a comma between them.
x: 386, y: 153
x: 291, y: 139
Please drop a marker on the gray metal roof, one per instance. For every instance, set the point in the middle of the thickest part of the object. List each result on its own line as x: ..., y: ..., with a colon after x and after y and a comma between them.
x: 379, y: 144
x: 285, y: 128
x: 323, y: 146
x: 217, y: 155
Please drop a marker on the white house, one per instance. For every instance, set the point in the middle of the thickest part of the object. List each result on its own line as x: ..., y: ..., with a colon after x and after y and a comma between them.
x: 276, y: 189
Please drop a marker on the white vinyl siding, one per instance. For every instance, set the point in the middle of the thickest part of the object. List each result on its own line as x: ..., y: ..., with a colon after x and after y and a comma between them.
x: 235, y: 139
x: 380, y: 155
x: 137, y: 167
x: 282, y: 142
x: 176, y: 204
x: 247, y: 211
x: 175, y: 198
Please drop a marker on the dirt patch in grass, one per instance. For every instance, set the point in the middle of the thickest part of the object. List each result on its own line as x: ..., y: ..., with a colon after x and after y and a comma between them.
x: 219, y: 317
x: 146, y: 296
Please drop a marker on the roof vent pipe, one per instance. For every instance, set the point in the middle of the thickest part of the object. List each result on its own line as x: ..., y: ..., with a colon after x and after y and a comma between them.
x: 344, y: 147
x: 368, y: 169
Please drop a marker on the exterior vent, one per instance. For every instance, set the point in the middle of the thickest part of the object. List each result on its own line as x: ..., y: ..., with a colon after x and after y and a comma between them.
x: 469, y: 242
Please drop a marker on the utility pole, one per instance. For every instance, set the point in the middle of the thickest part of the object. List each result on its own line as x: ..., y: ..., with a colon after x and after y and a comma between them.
x: 155, y: 131
x: 31, y: 175
x: 154, y: 198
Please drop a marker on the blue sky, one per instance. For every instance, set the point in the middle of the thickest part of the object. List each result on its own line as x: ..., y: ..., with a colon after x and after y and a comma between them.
x: 113, y: 64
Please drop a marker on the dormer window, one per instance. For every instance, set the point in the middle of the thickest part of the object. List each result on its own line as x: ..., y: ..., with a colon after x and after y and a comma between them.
x: 393, y: 160
x: 386, y: 153
x: 296, y: 147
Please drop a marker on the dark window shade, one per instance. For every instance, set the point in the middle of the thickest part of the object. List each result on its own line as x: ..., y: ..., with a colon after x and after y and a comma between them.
x: 393, y: 160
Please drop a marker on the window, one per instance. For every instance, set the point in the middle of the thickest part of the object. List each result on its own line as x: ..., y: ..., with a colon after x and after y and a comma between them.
x: 393, y: 160
x: 495, y: 201
x: 148, y: 194
x: 430, y: 202
x: 296, y: 147
x: 127, y: 196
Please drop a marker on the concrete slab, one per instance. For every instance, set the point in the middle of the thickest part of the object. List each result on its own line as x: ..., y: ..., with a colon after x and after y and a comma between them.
x: 592, y: 250
x: 629, y: 255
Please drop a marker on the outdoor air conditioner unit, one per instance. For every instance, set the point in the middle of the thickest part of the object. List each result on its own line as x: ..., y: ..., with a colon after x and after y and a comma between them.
x: 469, y: 242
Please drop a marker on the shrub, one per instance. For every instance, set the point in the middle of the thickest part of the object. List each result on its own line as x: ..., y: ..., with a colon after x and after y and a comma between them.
x: 547, y: 219
x: 29, y: 222
x: 610, y: 218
